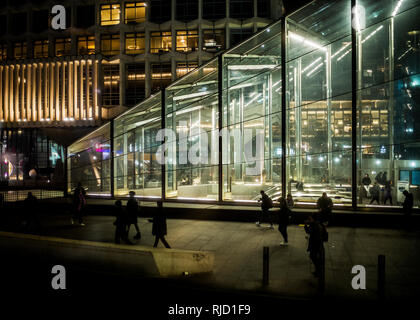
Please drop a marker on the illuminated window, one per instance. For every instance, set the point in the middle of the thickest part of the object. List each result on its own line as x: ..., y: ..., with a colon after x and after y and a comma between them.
x: 134, y: 43
x: 62, y: 46
x: 182, y: 68
x: 160, y: 42
x: 3, y: 51
x: 41, y: 49
x: 135, y: 85
x: 86, y: 45
x: 186, y: 41
x: 19, y: 50
x: 110, y: 44
x: 110, y: 14
x: 213, y: 40
x: 135, y: 12
x: 111, y: 91
x: 161, y: 76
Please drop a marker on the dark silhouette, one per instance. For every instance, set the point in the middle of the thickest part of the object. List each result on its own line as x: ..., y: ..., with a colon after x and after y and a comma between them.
x: 408, y: 203
x: 132, y: 212
x: 384, y: 178
x: 159, y: 228
x: 299, y: 186
x: 120, y: 223
x: 366, y: 180
x: 283, y: 217
x: 290, y: 201
x: 79, y: 203
x: 31, y: 220
x: 374, y: 192
x: 378, y: 178
x: 388, y: 191
x: 324, y: 205
x: 266, y: 204
x: 315, y: 245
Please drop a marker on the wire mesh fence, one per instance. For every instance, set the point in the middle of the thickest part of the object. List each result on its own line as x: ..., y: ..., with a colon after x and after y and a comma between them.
x: 20, y: 195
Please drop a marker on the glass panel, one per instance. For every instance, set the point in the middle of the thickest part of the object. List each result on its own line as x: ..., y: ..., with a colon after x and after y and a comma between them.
x: 252, y: 117
x: 319, y: 104
x: 136, y: 165
x: 88, y: 162
x: 192, y: 117
x: 387, y: 134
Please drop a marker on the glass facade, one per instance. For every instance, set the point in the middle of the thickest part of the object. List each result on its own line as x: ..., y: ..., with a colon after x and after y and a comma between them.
x: 191, y: 115
x: 324, y: 100
x: 319, y: 104
x: 135, y: 147
x: 252, y: 117
x: 88, y: 162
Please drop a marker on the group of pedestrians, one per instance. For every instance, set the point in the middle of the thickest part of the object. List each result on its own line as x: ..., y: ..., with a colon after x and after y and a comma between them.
x: 375, y: 189
x: 315, y: 226
x: 125, y: 217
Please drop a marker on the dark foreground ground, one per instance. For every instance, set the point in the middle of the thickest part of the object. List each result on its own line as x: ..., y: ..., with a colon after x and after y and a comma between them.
x: 237, y: 277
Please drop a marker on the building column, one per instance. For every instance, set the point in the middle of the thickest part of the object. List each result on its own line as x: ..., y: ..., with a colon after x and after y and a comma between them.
x: 82, y: 110
x: 58, y: 114
x: 28, y: 92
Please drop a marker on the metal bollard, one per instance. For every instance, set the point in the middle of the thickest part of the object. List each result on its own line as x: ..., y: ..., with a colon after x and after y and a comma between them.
x: 266, y: 260
x: 381, y: 276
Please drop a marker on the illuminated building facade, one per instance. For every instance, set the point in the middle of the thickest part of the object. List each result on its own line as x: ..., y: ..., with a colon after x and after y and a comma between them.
x: 111, y: 56
x: 334, y: 99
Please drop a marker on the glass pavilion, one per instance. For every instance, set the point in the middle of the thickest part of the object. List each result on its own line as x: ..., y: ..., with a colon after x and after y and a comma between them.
x: 324, y: 100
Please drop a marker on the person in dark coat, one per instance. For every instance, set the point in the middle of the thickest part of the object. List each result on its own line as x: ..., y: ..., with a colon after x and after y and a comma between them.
x: 283, y: 218
x: 159, y: 228
x: 366, y: 180
x: 378, y: 178
x: 324, y: 205
x: 31, y: 212
x: 79, y: 203
x: 408, y: 203
x: 290, y: 201
x: 120, y: 224
x: 266, y: 204
x: 315, y: 245
x: 384, y: 178
x: 132, y: 212
x: 374, y: 192
x: 388, y: 191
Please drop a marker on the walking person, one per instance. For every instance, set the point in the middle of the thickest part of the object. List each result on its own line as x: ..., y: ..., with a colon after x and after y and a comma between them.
x: 159, y: 228
x: 79, y: 203
x: 266, y: 205
x: 324, y: 205
x: 388, y: 192
x: 283, y: 218
x: 378, y: 178
x: 374, y: 191
x: 120, y: 224
x: 132, y: 212
x: 31, y: 212
x: 315, y: 245
x: 290, y: 201
x: 408, y: 207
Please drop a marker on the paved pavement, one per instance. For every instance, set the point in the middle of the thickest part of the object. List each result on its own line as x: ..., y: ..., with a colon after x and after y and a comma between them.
x: 238, y: 248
